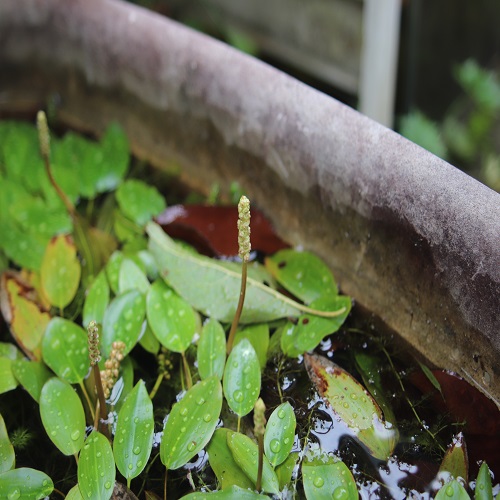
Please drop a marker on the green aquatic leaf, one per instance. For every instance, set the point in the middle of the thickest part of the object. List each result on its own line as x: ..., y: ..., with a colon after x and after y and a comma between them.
x: 7, y: 380
x: 134, y: 432
x: 328, y: 480
x: 8, y: 350
x: 452, y: 491
x: 280, y: 433
x: 60, y: 271
x: 245, y: 453
x: 32, y: 375
x: 231, y: 493
x: 455, y: 460
x: 483, y: 489
x: 139, y: 201
x: 96, y: 300
x: 303, y: 274
x: 353, y: 405
x: 171, y: 318
x: 96, y: 468
x: 123, y: 320
x: 258, y: 335
x: 284, y: 471
x: 113, y: 270
x: 242, y: 378
x: 7, y: 454
x: 191, y: 423
x: 213, y: 289
x: 62, y: 415
x: 221, y: 460
x: 25, y: 483
x: 65, y: 350
x: 211, y: 353
x: 131, y: 277
x: 149, y: 342
x: 123, y: 385
x: 74, y: 493
x: 310, y: 329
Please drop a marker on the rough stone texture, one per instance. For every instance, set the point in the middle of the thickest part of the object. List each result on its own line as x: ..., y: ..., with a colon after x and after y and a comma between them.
x: 410, y: 237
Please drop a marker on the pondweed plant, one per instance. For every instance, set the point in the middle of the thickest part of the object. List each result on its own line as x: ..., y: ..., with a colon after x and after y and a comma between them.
x: 91, y: 287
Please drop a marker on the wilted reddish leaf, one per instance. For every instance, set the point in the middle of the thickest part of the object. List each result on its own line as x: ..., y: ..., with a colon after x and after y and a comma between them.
x: 212, y: 230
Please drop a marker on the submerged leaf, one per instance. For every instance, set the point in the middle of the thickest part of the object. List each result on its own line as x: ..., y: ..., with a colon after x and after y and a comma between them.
x: 96, y: 468
x: 191, y: 423
x: 25, y: 483
x: 213, y: 289
x: 62, y: 415
x: 279, y: 434
x: 352, y: 404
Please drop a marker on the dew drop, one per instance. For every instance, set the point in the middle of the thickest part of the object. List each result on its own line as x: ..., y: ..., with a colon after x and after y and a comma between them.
x: 191, y: 446
x: 318, y: 482
x: 137, y: 450
x: 449, y: 491
x: 200, y: 401
x: 238, y: 396
x: 136, y: 420
x: 14, y: 494
x: 107, y: 485
x: 345, y: 405
x: 207, y: 417
x: 130, y: 466
x: 281, y: 413
x: 75, y: 435
x: 275, y: 445
x: 98, y: 454
x: 340, y: 493
x: 184, y: 412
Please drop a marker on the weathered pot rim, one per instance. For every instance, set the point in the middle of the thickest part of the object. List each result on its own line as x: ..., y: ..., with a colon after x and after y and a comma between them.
x: 409, y: 236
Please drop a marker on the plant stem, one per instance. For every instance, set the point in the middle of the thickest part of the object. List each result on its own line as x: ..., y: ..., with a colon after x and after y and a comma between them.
x: 260, y: 442
x: 87, y: 398
x: 239, y: 309
x: 102, y: 400
x: 187, y: 372
x: 165, y: 485
x: 158, y: 382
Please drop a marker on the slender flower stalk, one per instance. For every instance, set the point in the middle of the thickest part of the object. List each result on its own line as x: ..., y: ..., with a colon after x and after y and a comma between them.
x: 259, y: 420
x: 244, y: 253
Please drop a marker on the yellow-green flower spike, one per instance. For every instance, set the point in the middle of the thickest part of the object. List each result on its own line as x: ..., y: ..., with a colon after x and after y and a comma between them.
x: 43, y: 134
x: 244, y: 228
x: 259, y: 419
x: 93, y: 336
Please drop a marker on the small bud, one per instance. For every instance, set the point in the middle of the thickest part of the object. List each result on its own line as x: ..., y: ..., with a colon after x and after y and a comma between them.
x: 43, y: 134
x: 244, y: 229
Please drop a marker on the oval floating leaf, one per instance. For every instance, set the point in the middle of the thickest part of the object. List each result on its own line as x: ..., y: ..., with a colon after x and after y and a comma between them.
x: 279, y: 434
x: 213, y: 289
x: 258, y: 335
x: 221, y: 460
x: 242, y: 378
x: 7, y: 380
x: 62, y: 416
x: 113, y: 270
x: 452, y: 491
x: 139, y: 201
x: 212, y: 350
x: 226, y: 494
x: 191, y: 423
x: 134, y: 432
x: 60, y: 271
x: 96, y: 468
x: 131, y: 277
x: 123, y: 320
x: 171, y: 318
x: 328, y: 480
x: 65, y: 350
x: 97, y: 300
x: 302, y: 273
x: 25, y: 483
x: 352, y: 404
x: 483, y: 490
x: 245, y: 453
x: 32, y: 375
x: 7, y: 454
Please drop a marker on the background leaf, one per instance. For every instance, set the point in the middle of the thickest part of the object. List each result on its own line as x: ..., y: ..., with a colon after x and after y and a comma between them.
x: 131, y: 277
x: 62, y: 415
x: 134, y: 432
x: 279, y: 434
x: 7, y: 455
x: 32, y: 375
x: 191, y: 423
x: 258, y: 335
x: 25, y: 483
x: 242, y: 378
x: 7, y: 380
x: 96, y: 468
x: 97, y: 300
x: 211, y: 353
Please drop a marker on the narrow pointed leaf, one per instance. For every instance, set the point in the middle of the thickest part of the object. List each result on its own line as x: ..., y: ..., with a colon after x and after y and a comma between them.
x: 171, y: 318
x: 328, y: 480
x: 258, y: 335
x: 212, y: 350
x: 483, y: 490
x: 65, y: 350
x: 212, y: 288
x: 455, y: 460
x: 62, y: 416
x: 7, y: 380
x: 96, y: 468
x: 452, y: 491
x: 221, y: 460
x: 302, y: 273
x: 191, y: 423
x: 131, y: 277
x: 284, y: 471
x: 32, y: 375
x: 25, y: 483
x: 245, y: 454
x: 352, y: 403
x: 97, y: 300
x: 134, y: 433
x: 60, y: 272
x: 139, y: 201
x: 242, y: 378
x: 123, y: 320
x: 7, y: 455
x: 279, y: 434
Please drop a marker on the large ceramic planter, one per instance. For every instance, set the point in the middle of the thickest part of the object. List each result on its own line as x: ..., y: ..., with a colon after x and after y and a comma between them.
x: 407, y: 235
